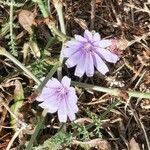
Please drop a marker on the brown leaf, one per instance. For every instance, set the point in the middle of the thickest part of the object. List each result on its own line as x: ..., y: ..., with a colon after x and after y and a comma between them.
x: 98, y: 143
x: 134, y: 145
x: 35, y: 49
x: 82, y: 23
x: 26, y: 19
x: 82, y: 121
x: 18, y: 92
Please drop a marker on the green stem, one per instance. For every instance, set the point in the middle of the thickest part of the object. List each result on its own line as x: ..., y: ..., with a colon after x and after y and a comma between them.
x: 42, y: 8
x: 37, y: 129
x: 50, y: 24
x: 62, y: 37
x: 49, y: 76
x: 115, y: 91
x: 15, y: 61
x: 14, y: 52
x: 59, y: 8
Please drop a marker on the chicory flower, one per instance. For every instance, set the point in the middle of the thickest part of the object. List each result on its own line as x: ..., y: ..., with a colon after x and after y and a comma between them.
x: 59, y: 97
x: 88, y: 52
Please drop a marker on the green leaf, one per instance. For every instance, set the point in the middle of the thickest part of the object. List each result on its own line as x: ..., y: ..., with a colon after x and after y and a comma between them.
x: 18, y: 101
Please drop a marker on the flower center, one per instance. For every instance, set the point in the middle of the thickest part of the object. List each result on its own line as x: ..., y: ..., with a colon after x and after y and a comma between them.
x: 88, y: 47
x: 62, y: 92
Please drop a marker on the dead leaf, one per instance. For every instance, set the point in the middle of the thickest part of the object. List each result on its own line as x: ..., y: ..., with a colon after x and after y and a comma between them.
x: 82, y: 121
x: 18, y: 102
x: 25, y: 51
x: 26, y: 19
x: 134, y: 145
x: 82, y: 23
x: 35, y: 49
x: 98, y: 143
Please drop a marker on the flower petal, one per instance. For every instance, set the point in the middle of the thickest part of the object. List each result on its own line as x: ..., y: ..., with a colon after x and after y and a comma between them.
x: 73, y: 42
x: 96, y: 37
x: 99, y: 64
x: 88, y: 35
x: 66, y: 81
x: 46, y: 94
x: 67, y: 52
x: 89, y: 65
x: 72, y: 60
x: 52, y: 105
x: 53, y: 83
x: 62, y: 111
x: 103, y: 43
x: 80, y: 68
x: 72, y: 107
x: 71, y: 114
x: 80, y: 38
x: 72, y: 94
x: 107, y: 55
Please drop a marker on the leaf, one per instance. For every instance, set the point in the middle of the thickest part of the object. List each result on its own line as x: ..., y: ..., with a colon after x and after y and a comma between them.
x: 18, y: 92
x: 134, y: 145
x: 25, y: 51
x: 81, y: 22
x: 55, y: 142
x: 18, y: 102
x: 36, y: 131
x: 35, y: 49
x: 98, y: 143
x: 26, y: 19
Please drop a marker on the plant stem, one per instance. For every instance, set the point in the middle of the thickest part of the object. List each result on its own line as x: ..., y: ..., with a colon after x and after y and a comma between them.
x: 49, y: 76
x: 42, y: 8
x: 15, y: 61
x: 49, y: 22
x: 37, y: 129
x: 59, y: 8
x: 14, y: 52
x: 115, y: 91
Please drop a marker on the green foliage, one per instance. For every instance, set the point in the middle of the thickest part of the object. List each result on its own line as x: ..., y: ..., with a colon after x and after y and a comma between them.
x: 12, y: 45
x: 4, y: 29
x: 18, y: 102
x: 36, y: 132
x: 39, y: 68
x: 96, y: 123
x: 86, y: 132
x: 12, y: 34
x: 93, y: 129
x: 82, y: 132
x: 56, y: 142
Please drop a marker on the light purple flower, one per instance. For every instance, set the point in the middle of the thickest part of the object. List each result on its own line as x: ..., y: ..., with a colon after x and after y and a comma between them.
x: 88, y: 52
x: 59, y: 97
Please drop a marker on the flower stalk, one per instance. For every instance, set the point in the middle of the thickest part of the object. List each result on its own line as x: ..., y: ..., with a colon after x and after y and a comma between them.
x: 113, y: 91
x: 50, y: 23
x: 59, y: 8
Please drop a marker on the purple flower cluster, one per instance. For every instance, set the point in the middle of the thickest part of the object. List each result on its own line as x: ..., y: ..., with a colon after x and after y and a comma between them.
x: 88, y: 52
